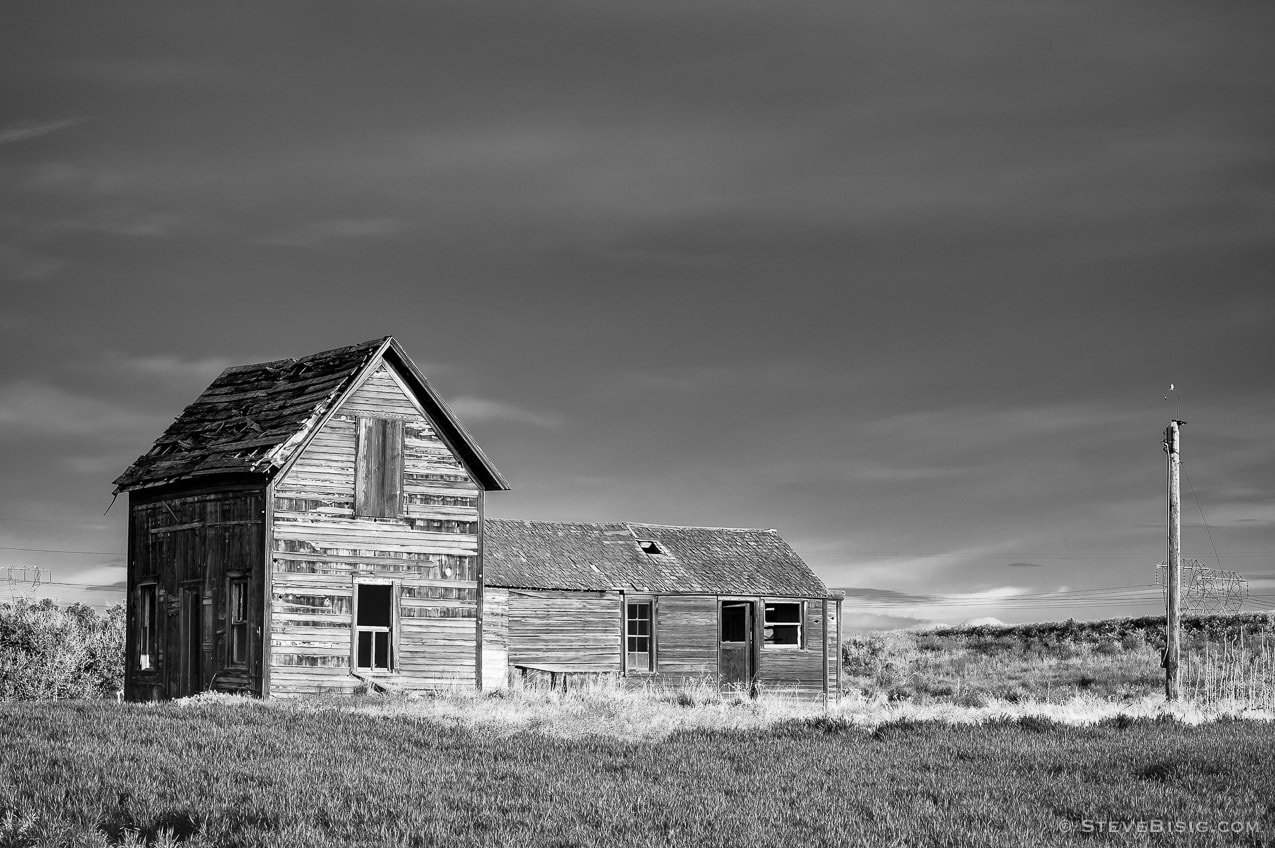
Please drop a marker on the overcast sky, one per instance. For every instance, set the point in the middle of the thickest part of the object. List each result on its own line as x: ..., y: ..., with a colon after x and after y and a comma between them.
x: 906, y: 280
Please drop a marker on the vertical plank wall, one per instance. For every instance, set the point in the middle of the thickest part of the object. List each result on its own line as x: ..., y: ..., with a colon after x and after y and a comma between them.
x: 320, y: 549
x: 195, y: 540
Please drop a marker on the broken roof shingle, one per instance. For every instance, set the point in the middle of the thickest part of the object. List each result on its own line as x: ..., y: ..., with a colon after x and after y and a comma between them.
x: 252, y: 417
x: 599, y: 557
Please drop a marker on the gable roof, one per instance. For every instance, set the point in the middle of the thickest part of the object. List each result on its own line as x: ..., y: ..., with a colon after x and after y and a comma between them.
x: 254, y: 418
x: 599, y: 557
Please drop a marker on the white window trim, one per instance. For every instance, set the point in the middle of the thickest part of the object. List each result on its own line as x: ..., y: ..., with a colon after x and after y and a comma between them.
x: 652, y: 657
x: 393, y: 630
x: 800, y: 624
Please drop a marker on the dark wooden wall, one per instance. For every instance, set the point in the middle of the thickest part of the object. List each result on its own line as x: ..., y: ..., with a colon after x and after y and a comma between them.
x: 321, y: 549
x: 194, y: 540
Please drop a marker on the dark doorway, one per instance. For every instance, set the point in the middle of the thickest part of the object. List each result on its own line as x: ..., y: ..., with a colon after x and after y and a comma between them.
x: 192, y: 642
x: 735, y: 650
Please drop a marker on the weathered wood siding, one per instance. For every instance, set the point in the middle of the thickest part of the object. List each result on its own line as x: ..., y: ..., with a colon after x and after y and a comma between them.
x: 577, y: 630
x: 686, y: 633
x: 788, y: 668
x: 583, y: 631
x: 495, y: 638
x: 321, y: 550
x: 833, y: 646
x: 192, y: 543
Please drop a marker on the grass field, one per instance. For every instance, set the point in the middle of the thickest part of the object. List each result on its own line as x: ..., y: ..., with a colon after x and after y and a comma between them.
x: 1225, y: 657
x: 375, y: 772
x: 1047, y: 734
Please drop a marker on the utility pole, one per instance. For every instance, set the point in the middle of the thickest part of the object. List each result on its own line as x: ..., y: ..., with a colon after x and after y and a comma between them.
x: 1173, y: 613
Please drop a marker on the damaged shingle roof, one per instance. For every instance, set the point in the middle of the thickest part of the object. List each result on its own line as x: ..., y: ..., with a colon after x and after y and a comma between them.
x: 252, y: 417
x: 596, y: 557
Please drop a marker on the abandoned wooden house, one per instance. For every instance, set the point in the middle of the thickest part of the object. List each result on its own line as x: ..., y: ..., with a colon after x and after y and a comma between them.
x: 658, y: 604
x: 317, y: 525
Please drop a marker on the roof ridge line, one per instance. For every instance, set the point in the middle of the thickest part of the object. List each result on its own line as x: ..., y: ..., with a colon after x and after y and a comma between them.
x: 699, y: 527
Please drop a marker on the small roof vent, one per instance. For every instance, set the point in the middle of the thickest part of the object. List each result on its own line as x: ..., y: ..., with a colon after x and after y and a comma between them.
x: 649, y: 546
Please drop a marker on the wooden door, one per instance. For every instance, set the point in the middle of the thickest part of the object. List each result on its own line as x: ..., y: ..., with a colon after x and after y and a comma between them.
x: 192, y: 653
x: 735, y: 648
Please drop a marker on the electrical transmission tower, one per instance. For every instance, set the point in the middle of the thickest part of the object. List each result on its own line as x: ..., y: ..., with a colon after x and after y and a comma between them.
x: 23, y: 580
x: 1206, y: 590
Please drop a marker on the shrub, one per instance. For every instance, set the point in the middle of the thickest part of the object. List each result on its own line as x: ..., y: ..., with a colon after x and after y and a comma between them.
x: 1133, y: 641
x: 47, y: 651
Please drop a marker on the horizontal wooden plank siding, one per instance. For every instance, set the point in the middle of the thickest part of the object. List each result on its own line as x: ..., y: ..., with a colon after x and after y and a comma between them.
x: 785, y: 668
x: 427, y: 547
x: 582, y: 631
x: 685, y: 638
x: 833, y: 648
x: 495, y: 638
x: 579, y: 630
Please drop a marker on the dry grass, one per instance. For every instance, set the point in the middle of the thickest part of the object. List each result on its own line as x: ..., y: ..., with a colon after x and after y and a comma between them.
x: 645, y: 715
x: 1236, y: 669
x: 1226, y: 659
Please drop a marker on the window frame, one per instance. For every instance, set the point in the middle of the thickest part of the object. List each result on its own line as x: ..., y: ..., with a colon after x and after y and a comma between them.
x: 146, y: 655
x: 391, y: 631
x: 767, y: 624
x: 238, y: 630
x: 651, y: 652
x: 378, y: 468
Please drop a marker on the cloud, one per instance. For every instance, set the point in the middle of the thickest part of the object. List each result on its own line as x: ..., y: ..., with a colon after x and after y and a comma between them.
x: 128, y: 222
x: 319, y: 233
x: 34, y: 129
x: 860, y: 621
x: 21, y: 265
x: 883, y: 595
x: 117, y: 586
x: 72, y: 179
x: 480, y: 409
x: 33, y: 407
x: 169, y: 368
x: 918, y: 569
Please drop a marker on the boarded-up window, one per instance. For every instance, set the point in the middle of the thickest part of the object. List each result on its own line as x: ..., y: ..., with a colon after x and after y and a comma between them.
x: 374, y: 648
x: 378, y: 473
x: 638, y: 639
x: 238, y: 622
x: 146, y: 627
x: 783, y: 623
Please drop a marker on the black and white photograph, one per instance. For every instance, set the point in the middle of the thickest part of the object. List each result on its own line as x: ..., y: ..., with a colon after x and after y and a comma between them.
x: 583, y: 423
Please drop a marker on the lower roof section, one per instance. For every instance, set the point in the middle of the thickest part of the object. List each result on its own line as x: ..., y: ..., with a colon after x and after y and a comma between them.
x: 652, y: 558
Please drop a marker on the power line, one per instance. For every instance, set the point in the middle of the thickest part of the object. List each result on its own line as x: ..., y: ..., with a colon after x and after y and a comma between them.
x: 59, y: 551
x: 1085, y: 598
x: 847, y: 552
x: 1202, y: 518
